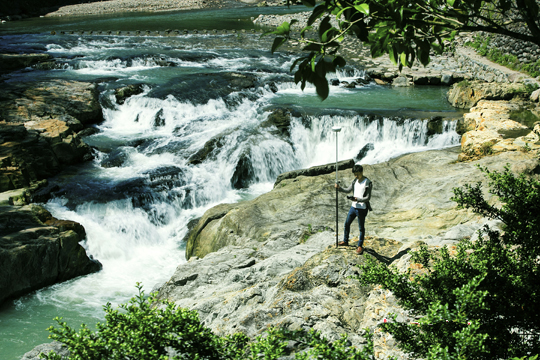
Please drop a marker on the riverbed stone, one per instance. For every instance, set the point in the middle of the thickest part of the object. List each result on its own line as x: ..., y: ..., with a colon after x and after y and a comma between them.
x: 38, y: 250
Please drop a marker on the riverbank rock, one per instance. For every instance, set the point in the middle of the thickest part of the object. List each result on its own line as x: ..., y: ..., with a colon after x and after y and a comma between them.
x: 402, y: 211
x: 38, y: 250
x: 291, y: 280
x: 12, y: 62
x: 273, y: 261
x: 39, y: 126
x: 492, y: 129
x: 467, y: 94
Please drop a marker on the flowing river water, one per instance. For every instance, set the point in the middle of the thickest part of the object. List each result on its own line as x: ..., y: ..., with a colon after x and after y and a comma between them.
x: 143, y: 187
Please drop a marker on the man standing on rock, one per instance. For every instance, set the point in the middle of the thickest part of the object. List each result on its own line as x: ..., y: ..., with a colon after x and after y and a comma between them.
x: 361, y: 187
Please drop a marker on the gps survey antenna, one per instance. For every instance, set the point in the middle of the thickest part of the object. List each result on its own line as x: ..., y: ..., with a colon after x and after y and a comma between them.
x: 336, y: 129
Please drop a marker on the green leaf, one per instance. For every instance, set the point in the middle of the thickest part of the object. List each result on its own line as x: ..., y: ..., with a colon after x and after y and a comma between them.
x: 283, y: 29
x: 338, y: 15
x: 394, y: 56
x: 363, y: 8
x: 321, y: 86
x: 313, y: 47
x: 324, y: 26
x: 278, y: 41
x: 309, y: 3
x: 339, y: 61
x: 315, y: 14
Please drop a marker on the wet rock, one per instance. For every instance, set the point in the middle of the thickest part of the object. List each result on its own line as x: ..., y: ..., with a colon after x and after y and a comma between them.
x: 207, y: 150
x: 159, y: 119
x: 363, y: 152
x: 88, y: 131
x: 25, y: 160
x: 435, y: 125
x: 39, y: 128
x: 281, y: 119
x: 37, y: 250
x: 125, y: 92
x: 26, y: 101
x: 114, y: 159
x: 314, y: 171
x: 401, y: 81
x: 12, y: 62
x: 243, y: 175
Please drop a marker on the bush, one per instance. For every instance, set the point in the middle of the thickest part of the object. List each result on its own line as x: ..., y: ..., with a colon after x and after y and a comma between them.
x: 150, y: 329
x: 483, y: 301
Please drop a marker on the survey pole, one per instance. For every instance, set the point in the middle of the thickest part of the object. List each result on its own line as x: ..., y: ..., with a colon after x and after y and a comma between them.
x: 337, y: 129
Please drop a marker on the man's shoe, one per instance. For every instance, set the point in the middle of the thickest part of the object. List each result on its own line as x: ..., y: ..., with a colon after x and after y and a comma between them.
x: 359, y: 250
x: 343, y: 243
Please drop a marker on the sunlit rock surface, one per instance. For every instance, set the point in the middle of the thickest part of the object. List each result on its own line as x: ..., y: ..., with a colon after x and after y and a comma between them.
x: 37, y: 250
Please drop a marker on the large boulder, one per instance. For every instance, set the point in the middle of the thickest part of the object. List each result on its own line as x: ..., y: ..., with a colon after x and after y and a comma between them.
x: 39, y: 126
x: 401, y: 207
x: 33, y: 101
x: 492, y: 130
x: 38, y: 250
x: 466, y: 94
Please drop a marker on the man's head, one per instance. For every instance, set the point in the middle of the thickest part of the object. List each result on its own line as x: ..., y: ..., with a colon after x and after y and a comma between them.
x: 358, y: 171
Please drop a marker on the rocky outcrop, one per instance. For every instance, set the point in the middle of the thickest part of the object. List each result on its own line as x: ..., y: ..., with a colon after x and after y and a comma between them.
x: 121, y: 94
x: 12, y: 62
x: 37, y: 250
x: 467, y: 94
x: 492, y: 128
x: 272, y: 261
x: 39, y: 125
x: 401, y: 208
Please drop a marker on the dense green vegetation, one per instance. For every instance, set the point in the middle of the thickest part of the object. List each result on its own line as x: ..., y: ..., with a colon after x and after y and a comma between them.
x: 481, y: 45
x: 480, y: 300
x: 146, y: 328
x: 405, y: 30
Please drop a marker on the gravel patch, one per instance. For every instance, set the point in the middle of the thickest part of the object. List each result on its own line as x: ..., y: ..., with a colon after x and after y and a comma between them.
x: 119, y: 6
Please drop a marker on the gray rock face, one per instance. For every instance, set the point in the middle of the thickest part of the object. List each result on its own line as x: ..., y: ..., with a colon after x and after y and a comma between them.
x: 279, y: 282
x: 57, y: 347
x: 37, y: 250
x: 410, y: 200
x: 272, y: 261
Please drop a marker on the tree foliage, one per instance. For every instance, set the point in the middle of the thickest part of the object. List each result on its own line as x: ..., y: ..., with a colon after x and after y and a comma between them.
x: 481, y: 300
x: 146, y: 328
x: 405, y: 30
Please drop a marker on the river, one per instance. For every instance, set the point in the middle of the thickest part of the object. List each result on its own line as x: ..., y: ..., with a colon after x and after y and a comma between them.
x: 143, y: 187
